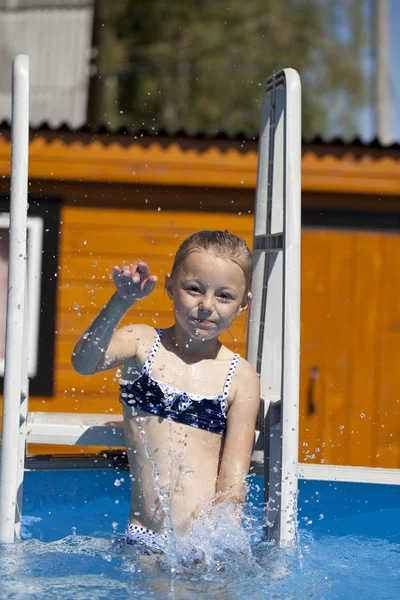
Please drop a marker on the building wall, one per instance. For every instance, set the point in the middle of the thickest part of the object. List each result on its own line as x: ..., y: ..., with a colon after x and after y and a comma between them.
x: 92, y: 242
x: 97, y: 230
x: 130, y: 201
x: 350, y: 313
x: 350, y: 384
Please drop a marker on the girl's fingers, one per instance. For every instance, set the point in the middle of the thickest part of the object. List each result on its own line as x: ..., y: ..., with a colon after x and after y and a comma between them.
x: 138, y: 274
x: 143, y: 269
x: 149, y: 284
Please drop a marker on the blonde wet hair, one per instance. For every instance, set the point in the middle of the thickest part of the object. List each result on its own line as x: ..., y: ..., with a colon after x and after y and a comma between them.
x: 223, y: 244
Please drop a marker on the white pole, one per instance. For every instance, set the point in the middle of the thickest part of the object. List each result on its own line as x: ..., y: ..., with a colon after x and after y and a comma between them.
x: 13, y: 370
x: 382, y: 70
x: 274, y: 329
x: 291, y: 335
x: 23, y: 416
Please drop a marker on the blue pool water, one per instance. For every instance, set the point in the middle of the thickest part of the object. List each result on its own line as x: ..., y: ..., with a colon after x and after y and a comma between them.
x: 348, y: 546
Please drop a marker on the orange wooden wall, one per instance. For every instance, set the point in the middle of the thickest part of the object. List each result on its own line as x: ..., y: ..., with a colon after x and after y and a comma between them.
x: 351, y: 333
x: 92, y: 241
x: 350, y: 323
x: 350, y: 283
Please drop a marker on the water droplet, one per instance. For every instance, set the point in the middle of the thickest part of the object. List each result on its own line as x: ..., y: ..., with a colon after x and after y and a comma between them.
x: 362, y: 415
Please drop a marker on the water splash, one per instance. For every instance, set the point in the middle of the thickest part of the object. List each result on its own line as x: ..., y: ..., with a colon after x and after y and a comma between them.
x: 238, y: 564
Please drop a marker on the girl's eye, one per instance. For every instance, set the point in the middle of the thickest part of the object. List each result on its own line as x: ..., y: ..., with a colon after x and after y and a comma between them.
x: 225, y: 297
x: 193, y: 290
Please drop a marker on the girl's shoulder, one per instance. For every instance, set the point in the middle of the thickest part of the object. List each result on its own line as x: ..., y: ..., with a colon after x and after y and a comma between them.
x: 244, y: 372
x: 140, y: 330
x: 245, y: 387
x: 245, y: 377
x: 138, y: 336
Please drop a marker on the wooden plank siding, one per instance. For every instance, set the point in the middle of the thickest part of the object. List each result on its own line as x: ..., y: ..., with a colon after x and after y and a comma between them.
x: 92, y: 241
x: 351, y: 333
x: 350, y: 323
x: 111, y: 192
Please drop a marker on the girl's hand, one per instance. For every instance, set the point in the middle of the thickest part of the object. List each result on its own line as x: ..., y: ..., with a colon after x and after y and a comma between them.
x: 133, y: 281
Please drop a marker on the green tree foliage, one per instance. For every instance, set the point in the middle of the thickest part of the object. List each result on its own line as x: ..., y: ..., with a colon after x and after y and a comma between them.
x: 200, y: 64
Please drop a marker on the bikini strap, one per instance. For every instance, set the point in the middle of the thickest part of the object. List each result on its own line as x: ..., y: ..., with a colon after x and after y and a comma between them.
x: 147, y: 365
x: 231, y: 371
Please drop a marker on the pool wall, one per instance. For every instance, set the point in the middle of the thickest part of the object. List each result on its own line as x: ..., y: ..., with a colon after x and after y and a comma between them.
x: 96, y: 502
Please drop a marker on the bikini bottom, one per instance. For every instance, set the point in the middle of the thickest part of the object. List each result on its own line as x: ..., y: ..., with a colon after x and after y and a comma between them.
x: 150, y: 543
x: 147, y: 541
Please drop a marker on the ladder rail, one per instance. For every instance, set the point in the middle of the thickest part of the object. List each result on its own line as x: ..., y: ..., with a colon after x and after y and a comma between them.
x: 273, y: 342
x: 15, y: 366
x: 291, y: 282
x: 274, y: 328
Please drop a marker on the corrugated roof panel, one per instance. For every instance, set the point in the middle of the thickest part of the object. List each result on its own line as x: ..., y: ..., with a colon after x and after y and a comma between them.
x: 20, y: 5
x: 131, y: 132
x: 57, y: 38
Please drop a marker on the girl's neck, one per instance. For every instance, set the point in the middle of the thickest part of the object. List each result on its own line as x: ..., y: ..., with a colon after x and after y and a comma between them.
x: 184, y: 345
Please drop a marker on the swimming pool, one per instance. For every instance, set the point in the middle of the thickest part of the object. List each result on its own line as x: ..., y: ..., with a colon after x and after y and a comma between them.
x: 348, y: 546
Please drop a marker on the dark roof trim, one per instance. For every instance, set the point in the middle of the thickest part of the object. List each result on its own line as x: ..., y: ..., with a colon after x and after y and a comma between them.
x: 182, y: 134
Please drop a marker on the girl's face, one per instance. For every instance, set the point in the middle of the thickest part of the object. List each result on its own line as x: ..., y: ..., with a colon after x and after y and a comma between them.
x: 208, y: 292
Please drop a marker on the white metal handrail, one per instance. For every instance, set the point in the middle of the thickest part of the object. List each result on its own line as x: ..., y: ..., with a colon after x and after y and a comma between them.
x: 274, y: 328
x: 15, y: 393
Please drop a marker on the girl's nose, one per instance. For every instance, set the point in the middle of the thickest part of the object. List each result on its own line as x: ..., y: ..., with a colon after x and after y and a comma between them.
x: 206, y: 304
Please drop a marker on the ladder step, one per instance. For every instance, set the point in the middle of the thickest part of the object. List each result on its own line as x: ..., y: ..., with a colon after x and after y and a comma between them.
x: 75, y: 429
x: 270, y: 242
x: 67, y: 429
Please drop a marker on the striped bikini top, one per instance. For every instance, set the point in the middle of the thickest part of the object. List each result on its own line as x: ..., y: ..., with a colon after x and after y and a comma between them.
x: 158, y: 398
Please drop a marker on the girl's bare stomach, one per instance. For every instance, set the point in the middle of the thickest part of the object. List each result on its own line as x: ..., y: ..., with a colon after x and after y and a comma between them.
x: 173, y: 470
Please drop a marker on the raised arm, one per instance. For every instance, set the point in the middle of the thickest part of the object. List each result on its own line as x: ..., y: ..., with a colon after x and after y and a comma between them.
x: 238, y: 447
x: 102, y: 346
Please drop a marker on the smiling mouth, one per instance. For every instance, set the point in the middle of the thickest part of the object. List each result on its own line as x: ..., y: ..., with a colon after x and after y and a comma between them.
x: 203, y: 322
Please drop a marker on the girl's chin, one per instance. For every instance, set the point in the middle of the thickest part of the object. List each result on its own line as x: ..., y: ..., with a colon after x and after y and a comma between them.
x: 200, y: 331
x: 204, y: 335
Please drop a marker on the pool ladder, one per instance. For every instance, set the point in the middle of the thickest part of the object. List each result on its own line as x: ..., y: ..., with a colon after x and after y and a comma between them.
x: 274, y: 321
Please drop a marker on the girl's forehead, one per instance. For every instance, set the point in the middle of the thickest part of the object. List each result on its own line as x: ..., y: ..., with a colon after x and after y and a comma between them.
x: 208, y: 266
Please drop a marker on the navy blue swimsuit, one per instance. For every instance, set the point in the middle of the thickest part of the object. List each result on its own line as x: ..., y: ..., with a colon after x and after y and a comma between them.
x: 158, y: 398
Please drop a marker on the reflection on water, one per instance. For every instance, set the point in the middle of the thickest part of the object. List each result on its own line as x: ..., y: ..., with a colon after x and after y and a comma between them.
x: 238, y: 564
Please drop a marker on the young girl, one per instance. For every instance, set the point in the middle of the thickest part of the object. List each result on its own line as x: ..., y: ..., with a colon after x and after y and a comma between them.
x: 189, y: 403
